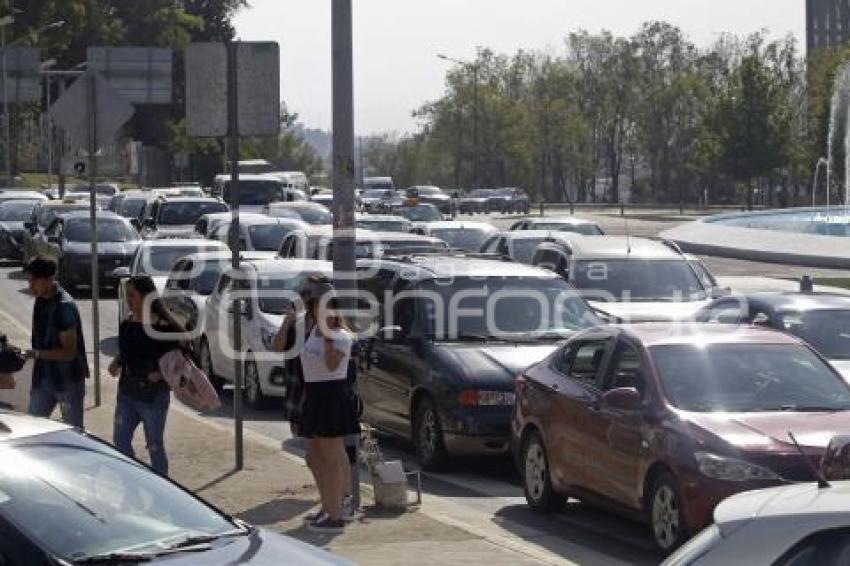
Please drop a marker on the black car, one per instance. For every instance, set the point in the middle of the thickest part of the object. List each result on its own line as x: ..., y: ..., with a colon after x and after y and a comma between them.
x: 42, y: 215
x: 429, y: 195
x: 68, y: 240
x: 507, y: 200
x: 13, y: 215
x: 69, y: 498
x: 475, y: 202
x: 821, y: 319
x: 175, y: 217
x: 452, y: 332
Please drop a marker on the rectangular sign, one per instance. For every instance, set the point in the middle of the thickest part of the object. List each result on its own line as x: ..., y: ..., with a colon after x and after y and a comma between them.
x: 206, y: 90
x: 142, y: 75
x: 22, y: 78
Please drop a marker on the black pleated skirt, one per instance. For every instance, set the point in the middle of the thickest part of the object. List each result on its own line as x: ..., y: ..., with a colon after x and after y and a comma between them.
x: 329, y: 410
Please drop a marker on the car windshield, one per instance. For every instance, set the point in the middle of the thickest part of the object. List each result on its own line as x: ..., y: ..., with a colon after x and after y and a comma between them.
x: 205, y: 276
x: 583, y: 229
x: 80, y: 499
x: 522, y: 249
x: 16, y: 211
x: 374, y: 193
x: 268, y: 237
x: 469, y: 239
x: 510, y: 308
x: 827, y: 331
x: 256, y: 192
x: 107, y: 231
x: 383, y: 225
x: 105, y: 190
x: 188, y: 213
x: 158, y: 260
x: 275, y: 294
x: 314, y: 215
x: 46, y: 215
x: 748, y: 378
x: 639, y: 280
x: 412, y: 246
x: 420, y: 213
x: 428, y: 191
x: 131, y: 207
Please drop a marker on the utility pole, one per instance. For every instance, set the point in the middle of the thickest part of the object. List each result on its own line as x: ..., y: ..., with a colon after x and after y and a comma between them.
x: 95, y: 267
x: 476, y: 161
x: 343, y: 180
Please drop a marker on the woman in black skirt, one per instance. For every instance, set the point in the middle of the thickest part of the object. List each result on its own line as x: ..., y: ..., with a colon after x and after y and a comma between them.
x: 328, y: 414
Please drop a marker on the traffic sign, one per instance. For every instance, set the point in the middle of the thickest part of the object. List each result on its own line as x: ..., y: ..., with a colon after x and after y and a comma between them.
x: 71, y: 111
x: 23, y: 81
x: 257, y: 92
x: 142, y: 75
x: 107, y: 165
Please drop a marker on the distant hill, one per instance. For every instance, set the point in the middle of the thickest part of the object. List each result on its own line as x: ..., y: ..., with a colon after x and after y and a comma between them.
x: 320, y: 140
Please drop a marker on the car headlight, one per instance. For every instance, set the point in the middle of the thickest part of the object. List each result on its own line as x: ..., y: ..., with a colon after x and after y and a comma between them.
x: 483, y: 398
x: 732, y: 469
x: 267, y: 337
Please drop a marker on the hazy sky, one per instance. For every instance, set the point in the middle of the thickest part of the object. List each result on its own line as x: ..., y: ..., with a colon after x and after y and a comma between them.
x: 396, y: 41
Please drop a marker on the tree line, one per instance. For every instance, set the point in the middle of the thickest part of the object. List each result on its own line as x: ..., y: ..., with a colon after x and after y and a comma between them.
x: 651, y: 115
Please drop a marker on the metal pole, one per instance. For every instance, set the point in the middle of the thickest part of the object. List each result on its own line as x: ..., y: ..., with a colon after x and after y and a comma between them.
x: 7, y: 127
x: 476, y: 176
x: 49, y: 134
x: 233, y: 156
x: 91, y: 107
x: 60, y: 177
x: 343, y: 169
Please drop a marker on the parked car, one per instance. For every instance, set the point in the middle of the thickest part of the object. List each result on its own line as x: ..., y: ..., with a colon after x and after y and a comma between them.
x: 13, y: 217
x: 382, y: 223
x: 507, y: 200
x: 69, y: 498
x: 676, y: 417
x: 558, y: 224
x: 324, y: 197
x: 309, y: 212
x: 476, y: 202
x: 518, y: 245
x: 175, y: 217
x: 633, y: 279
x: 822, y: 320
x: 468, y: 236
x: 378, y: 183
x: 192, y: 279
x: 258, y: 233
x: 68, y: 240
x: 156, y: 258
x: 424, y: 194
x: 262, y: 283
x: 316, y: 242
x: 419, y: 213
x: 372, y: 198
x: 445, y: 381
x: 42, y: 215
x: 22, y: 195
x: 130, y: 204
x: 101, y: 200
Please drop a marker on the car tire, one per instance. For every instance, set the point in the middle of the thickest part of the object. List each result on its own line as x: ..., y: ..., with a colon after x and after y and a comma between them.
x: 253, y: 389
x: 665, y: 510
x: 536, y: 476
x: 428, y: 438
x: 207, y: 366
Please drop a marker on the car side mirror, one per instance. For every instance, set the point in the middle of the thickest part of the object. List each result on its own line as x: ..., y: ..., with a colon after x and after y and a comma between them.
x: 121, y: 273
x: 720, y: 292
x: 622, y: 399
x: 392, y: 333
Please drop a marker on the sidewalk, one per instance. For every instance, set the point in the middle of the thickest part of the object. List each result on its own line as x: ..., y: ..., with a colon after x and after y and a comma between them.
x: 275, y: 490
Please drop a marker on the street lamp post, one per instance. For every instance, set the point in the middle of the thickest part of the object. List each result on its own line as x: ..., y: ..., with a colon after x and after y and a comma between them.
x: 474, y: 68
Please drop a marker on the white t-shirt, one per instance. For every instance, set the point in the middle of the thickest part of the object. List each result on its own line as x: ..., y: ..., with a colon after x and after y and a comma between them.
x: 313, y: 357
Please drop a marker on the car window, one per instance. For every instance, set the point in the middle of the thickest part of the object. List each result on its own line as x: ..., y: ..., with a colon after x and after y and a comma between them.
x: 582, y: 360
x: 724, y: 312
x: 625, y: 370
x: 489, y: 246
x: 549, y: 258
x: 825, y: 547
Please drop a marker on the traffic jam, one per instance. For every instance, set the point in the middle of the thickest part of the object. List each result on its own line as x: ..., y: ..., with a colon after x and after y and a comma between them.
x: 613, y: 370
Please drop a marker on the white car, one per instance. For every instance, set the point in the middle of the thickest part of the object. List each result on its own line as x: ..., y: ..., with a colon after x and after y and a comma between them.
x: 559, y: 224
x: 155, y: 258
x: 382, y: 223
x: 460, y: 235
x: 262, y: 288
x: 309, y: 212
x: 794, y: 525
x: 258, y: 233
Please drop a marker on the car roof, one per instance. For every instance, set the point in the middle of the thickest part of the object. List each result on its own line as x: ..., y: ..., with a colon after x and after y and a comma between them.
x: 15, y: 425
x: 381, y: 217
x: 216, y: 255
x: 182, y: 242
x: 623, y: 247
x: 86, y: 215
x: 694, y: 333
x: 378, y: 236
x: 458, y: 265
x: 257, y: 219
x: 278, y: 266
x: 169, y: 198
x: 568, y: 220
x: 795, y: 301
x: 459, y: 224
x: 298, y: 204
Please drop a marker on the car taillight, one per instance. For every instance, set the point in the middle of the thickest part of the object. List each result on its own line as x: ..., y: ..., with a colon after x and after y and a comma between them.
x: 485, y: 398
x: 468, y: 398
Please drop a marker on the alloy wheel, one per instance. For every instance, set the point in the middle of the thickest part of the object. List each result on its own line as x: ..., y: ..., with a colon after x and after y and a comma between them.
x: 535, y: 470
x: 665, y: 517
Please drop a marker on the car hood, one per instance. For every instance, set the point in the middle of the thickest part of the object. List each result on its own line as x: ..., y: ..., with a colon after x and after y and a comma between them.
x: 493, y: 365
x: 175, y: 231
x: 769, y: 431
x: 649, y: 311
x: 261, y: 547
x: 110, y: 248
x: 843, y: 367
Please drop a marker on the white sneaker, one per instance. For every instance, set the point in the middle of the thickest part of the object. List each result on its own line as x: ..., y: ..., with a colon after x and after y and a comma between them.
x: 349, y: 512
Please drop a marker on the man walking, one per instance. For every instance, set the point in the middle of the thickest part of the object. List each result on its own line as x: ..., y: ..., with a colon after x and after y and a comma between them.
x: 58, y: 348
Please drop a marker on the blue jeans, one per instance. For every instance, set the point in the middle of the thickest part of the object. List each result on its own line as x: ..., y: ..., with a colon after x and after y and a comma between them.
x: 45, y: 397
x: 129, y: 412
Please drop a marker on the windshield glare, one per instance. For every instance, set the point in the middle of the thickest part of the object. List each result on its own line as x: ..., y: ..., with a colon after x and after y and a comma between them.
x: 748, y: 378
x: 512, y: 308
x: 583, y: 229
x: 828, y: 331
x: 187, y: 213
x: 78, y: 500
x: 159, y: 260
x: 16, y: 212
x: 268, y: 237
x: 639, y: 280
x: 107, y: 231
x: 470, y: 239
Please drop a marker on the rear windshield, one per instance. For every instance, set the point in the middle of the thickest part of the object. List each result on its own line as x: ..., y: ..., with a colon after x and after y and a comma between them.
x: 268, y: 237
x: 256, y: 192
x: 470, y: 239
x: 131, y: 207
x: 107, y: 231
x: 183, y: 213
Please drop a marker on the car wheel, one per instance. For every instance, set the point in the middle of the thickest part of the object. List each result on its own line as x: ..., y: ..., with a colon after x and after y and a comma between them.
x: 666, y: 513
x: 428, y: 436
x: 536, y: 476
x: 253, y: 391
x: 207, y: 366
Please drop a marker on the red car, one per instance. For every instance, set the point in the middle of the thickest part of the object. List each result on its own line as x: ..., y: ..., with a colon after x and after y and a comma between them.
x: 665, y: 421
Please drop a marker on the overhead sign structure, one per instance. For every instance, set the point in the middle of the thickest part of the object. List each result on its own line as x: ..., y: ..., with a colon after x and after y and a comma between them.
x: 257, y: 89
x: 23, y: 78
x: 71, y: 111
x: 142, y: 75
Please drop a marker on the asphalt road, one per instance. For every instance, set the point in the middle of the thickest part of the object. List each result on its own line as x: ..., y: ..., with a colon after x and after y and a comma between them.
x: 481, y: 486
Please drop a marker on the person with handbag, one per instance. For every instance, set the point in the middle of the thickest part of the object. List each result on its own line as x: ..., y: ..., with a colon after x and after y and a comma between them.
x: 143, y: 395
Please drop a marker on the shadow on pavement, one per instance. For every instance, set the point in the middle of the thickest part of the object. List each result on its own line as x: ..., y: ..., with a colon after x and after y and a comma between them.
x: 316, y: 539
x: 276, y: 511
x: 109, y: 346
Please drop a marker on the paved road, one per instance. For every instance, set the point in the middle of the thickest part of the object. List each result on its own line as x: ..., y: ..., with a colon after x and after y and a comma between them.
x: 483, y: 487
